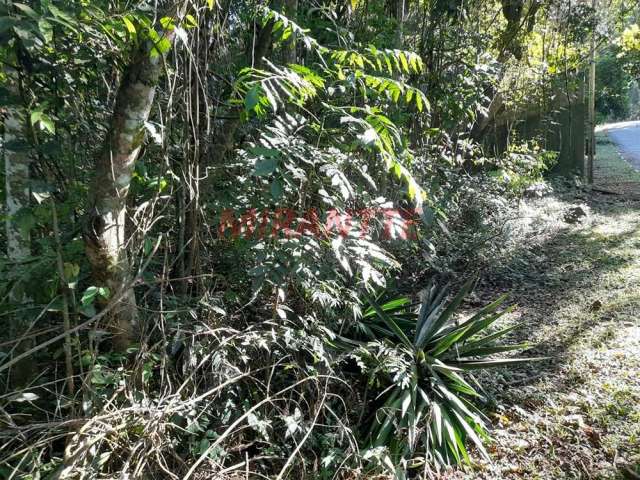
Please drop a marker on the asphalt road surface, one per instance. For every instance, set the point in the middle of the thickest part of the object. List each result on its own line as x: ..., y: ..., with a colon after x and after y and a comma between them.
x: 627, y: 136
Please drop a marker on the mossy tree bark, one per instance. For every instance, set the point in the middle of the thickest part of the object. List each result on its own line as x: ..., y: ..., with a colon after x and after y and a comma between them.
x: 17, y: 161
x: 105, y: 236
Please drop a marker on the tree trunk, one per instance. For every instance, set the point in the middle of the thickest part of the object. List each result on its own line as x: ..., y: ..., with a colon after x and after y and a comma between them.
x: 291, y: 11
x: 17, y: 191
x: 224, y: 140
x: 485, y: 119
x: 400, y: 11
x: 16, y: 164
x: 105, y: 238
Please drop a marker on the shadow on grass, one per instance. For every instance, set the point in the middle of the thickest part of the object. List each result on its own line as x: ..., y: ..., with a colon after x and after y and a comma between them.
x: 563, y: 277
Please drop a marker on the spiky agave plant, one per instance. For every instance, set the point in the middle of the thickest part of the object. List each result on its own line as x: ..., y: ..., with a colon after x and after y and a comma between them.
x: 432, y: 408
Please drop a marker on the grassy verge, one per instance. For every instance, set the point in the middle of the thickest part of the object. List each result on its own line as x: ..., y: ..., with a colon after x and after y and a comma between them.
x: 610, y: 167
x: 578, y: 289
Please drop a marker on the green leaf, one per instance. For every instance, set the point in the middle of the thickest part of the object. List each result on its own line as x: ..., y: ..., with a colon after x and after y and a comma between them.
x: 481, y: 364
x: 88, y: 310
x: 27, y: 10
x: 446, y: 342
x: 35, y: 117
x: 25, y: 220
x: 6, y: 24
x: 403, y: 61
x: 419, y: 102
x: 271, y: 97
x: 488, y: 339
x: 460, y: 441
x: 453, y: 438
x: 252, y: 98
x: 391, y: 306
x: 55, y: 306
x: 167, y: 23
x: 492, y: 307
x: 454, y: 402
x: 472, y: 434
x: 47, y: 124
x: 456, y: 382
x: 63, y: 17
x: 481, y: 324
x: 265, y: 166
x: 437, y: 420
x: 131, y: 28
x: 388, y: 410
x: 190, y: 21
x: 409, y: 95
x: 64, y: 23
x: 390, y: 322
x: 71, y: 272
x: 491, y: 350
x: 161, y: 43
x: 46, y: 30
x: 38, y: 117
x: 148, y: 246
x: 265, y: 152
x: 434, y: 323
x: 405, y: 403
x: 276, y: 189
x: 161, y: 47
x: 89, y: 296
x: 147, y: 373
x: 431, y: 305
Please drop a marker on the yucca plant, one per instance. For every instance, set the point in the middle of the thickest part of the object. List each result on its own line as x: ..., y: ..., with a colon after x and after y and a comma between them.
x: 429, y: 408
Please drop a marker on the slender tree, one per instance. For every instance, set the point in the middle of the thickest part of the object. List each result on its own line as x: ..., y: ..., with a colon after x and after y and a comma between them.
x: 105, y: 236
x: 17, y: 164
x: 291, y: 10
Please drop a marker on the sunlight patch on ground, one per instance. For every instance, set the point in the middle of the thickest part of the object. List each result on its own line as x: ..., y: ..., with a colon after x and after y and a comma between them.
x: 577, y: 416
x: 618, y: 228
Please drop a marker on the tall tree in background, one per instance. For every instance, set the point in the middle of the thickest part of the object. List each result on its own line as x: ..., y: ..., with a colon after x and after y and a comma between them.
x: 291, y: 10
x: 16, y: 164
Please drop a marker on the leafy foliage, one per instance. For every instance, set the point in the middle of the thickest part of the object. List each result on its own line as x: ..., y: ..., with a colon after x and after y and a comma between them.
x: 254, y: 226
x: 629, y: 43
x: 418, y: 362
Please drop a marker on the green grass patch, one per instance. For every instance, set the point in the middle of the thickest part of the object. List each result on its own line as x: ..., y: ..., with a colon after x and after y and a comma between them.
x: 609, y: 166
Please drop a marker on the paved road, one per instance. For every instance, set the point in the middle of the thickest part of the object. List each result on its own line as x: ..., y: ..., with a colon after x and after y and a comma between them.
x: 627, y: 136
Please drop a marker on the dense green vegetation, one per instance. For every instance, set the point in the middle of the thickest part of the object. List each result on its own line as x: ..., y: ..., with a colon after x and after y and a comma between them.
x: 242, y: 237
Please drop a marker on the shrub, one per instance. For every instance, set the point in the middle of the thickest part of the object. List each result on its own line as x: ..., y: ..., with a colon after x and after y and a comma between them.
x: 418, y: 363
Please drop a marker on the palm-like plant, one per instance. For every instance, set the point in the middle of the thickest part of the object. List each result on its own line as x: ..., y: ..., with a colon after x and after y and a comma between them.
x: 432, y: 407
